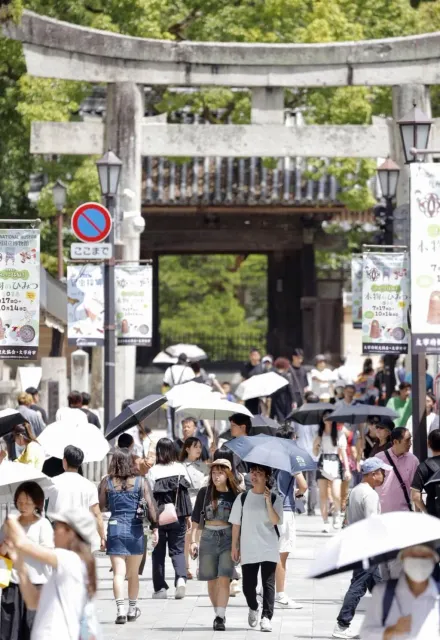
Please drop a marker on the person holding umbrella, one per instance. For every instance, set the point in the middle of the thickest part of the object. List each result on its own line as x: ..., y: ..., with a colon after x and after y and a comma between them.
x: 331, y: 446
x: 407, y: 607
x: 364, y: 502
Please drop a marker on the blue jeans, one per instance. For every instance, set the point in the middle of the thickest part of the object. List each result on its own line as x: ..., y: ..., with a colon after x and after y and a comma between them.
x: 361, y: 581
x: 172, y: 535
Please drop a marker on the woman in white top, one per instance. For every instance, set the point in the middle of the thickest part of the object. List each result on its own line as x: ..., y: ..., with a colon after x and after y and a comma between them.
x: 61, y: 602
x: 197, y: 473
x: 170, y: 482
x: 331, y: 446
x: 16, y: 618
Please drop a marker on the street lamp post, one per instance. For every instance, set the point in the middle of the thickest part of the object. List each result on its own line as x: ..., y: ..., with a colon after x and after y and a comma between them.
x: 59, y: 191
x: 388, y: 174
x: 109, y: 171
x: 414, y: 130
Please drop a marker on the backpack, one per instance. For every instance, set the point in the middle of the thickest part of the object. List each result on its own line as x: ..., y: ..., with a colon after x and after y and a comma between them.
x: 273, y: 497
x: 433, y: 489
x: 388, y: 597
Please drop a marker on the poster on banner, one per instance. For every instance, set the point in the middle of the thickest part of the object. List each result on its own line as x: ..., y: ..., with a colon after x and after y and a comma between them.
x: 85, y: 305
x: 134, y: 305
x: 385, y: 303
x: 425, y: 257
x: 356, y: 291
x: 19, y: 293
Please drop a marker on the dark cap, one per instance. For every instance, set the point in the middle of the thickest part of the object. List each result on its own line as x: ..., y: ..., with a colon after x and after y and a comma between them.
x: 383, y: 421
x: 182, y: 357
x: 32, y: 390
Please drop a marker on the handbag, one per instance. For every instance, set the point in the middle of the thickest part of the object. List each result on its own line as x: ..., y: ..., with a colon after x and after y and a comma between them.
x: 5, y: 571
x: 168, y: 513
x: 143, y: 508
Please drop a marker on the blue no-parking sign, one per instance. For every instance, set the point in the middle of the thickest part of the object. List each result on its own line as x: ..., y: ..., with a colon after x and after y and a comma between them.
x: 91, y: 222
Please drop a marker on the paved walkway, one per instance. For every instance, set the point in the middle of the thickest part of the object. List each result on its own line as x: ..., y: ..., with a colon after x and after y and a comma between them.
x: 192, y: 617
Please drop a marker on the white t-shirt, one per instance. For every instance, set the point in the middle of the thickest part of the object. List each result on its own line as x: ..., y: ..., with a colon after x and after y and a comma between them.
x: 432, y: 422
x: 305, y: 436
x: 159, y: 471
x: 327, y: 445
x: 71, y: 492
x: 258, y: 539
x: 71, y: 416
x: 62, y: 600
x: 40, y: 533
x: 178, y: 374
x: 324, y: 384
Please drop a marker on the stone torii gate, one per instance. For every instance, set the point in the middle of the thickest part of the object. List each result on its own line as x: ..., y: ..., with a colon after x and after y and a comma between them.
x: 60, y: 50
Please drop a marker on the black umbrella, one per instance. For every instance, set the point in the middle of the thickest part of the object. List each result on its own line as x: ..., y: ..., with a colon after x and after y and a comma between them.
x: 9, y: 418
x: 261, y: 425
x: 134, y: 414
x: 310, y: 413
x: 358, y: 413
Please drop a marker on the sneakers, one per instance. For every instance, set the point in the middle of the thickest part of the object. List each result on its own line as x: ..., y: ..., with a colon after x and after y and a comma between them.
x: 265, y: 624
x: 133, y: 616
x: 219, y: 624
x: 344, y: 632
x: 326, y: 527
x: 122, y: 619
x: 253, y: 618
x: 336, y: 521
x: 162, y: 594
x: 287, y: 603
x: 180, y: 589
x: 234, y: 589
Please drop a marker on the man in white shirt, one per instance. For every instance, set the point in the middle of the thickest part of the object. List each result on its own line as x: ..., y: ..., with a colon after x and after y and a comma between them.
x: 363, y: 503
x: 72, y: 492
x: 176, y: 374
x: 73, y: 415
x: 322, y: 377
x: 409, y: 607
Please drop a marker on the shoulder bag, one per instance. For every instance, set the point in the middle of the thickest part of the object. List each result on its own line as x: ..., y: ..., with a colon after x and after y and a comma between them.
x: 399, y: 478
x: 168, y: 513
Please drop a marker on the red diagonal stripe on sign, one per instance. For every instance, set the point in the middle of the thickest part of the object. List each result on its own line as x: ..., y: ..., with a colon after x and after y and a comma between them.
x: 91, y: 222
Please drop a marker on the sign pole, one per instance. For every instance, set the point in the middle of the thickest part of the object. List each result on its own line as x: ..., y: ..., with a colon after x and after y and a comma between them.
x: 420, y: 436
x: 109, y: 324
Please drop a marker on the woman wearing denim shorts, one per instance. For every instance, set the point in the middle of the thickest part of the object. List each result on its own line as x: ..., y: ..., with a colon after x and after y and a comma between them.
x: 211, y: 513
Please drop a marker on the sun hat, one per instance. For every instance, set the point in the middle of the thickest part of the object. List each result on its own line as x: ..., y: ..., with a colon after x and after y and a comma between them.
x: 373, y: 464
x: 82, y: 522
x: 222, y: 462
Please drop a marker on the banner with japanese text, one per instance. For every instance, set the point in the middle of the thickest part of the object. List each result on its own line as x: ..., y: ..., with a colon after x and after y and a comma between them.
x: 385, y: 303
x: 356, y: 291
x: 85, y: 305
x: 425, y: 257
x: 19, y: 293
x: 134, y: 304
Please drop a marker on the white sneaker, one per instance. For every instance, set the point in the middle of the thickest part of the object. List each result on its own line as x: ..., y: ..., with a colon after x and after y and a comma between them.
x: 326, y: 527
x: 234, y: 588
x: 265, y: 624
x: 180, y: 589
x: 287, y: 603
x: 162, y: 594
x: 344, y: 633
x: 253, y: 618
x: 336, y: 522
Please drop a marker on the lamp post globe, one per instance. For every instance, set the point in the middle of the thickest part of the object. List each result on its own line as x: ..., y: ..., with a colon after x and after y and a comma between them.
x: 388, y: 174
x: 109, y: 171
x: 414, y: 127
x: 59, y: 191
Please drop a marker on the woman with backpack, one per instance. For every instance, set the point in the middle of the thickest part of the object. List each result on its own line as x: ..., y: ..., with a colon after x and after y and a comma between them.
x: 254, y: 518
x: 211, y: 515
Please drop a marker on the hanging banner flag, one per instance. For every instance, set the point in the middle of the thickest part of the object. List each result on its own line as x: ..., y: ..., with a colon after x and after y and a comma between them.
x: 425, y: 257
x: 85, y: 305
x: 356, y: 291
x: 385, y: 303
x: 19, y: 293
x: 134, y: 304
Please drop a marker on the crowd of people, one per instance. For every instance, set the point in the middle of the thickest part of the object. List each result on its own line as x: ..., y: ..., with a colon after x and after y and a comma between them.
x: 191, y: 496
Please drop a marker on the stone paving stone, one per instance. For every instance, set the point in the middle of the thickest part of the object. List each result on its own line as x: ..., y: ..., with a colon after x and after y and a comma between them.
x: 192, y: 617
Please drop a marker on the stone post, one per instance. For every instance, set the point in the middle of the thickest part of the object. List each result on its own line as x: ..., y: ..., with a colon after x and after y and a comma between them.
x: 53, y: 388
x: 79, y: 376
x: 125, y: 111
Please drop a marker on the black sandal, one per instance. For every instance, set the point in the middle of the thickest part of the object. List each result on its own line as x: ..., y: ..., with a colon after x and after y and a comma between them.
x: 133, y: 618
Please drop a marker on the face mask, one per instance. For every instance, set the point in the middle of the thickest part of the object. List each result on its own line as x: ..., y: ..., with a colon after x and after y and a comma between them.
x: 418, y: 569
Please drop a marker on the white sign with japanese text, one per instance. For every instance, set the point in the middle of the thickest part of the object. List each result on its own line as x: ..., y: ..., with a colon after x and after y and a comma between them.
x: 19, y: 293
x: 89, y: 251
x: 85, y: 305
x: 356, y: 291
x: 134, y: 304
x: 385, y: 303
x: 425, y: 257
